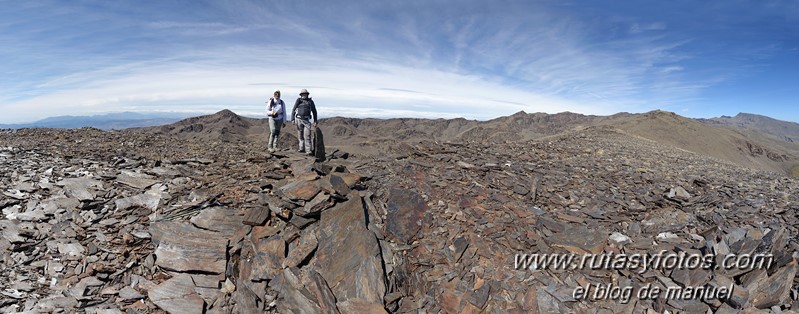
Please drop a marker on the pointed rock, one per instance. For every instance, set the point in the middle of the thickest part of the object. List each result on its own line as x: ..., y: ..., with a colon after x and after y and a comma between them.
x: 318, y: 287
x: 334, y: 184
x: 319, y: 203
x: 776, y: 289
x: 308, y: 243
x: 294, y: 297
x: 348, y: 256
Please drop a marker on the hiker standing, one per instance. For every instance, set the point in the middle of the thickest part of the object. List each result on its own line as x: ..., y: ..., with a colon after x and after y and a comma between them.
x: 276, y: 109
x: 304, y: 112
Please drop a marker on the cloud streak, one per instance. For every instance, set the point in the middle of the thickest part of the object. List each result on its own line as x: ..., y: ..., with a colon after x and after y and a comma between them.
x: 475, y: 59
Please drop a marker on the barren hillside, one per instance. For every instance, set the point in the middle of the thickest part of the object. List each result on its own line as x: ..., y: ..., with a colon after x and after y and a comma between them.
x: 743, y: 146
x: 746, y: 148
x: 103, y: 222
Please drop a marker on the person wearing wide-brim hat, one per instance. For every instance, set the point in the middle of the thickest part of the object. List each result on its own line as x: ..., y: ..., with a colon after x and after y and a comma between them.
x: 304, y: 114
x: 275, y: 109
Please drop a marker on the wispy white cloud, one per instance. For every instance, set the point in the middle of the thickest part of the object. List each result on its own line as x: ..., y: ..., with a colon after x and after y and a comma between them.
x: 214, y: 83
x: 640, y: 28
x: 473, y: 59
x: 202, y: 29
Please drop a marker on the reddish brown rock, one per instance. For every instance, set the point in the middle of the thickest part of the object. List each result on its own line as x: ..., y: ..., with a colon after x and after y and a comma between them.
x: 319, y: 203
x: 348, y: 256
x: 351, y: 179
x: 307, y: 244
x: 407, y: 211
x: 334, y: 184
x: 300, y: 190
x: 268, y: 260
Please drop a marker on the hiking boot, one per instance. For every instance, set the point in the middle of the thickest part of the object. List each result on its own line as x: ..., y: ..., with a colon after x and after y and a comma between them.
x: 300, y: 150
x: 271, y: 150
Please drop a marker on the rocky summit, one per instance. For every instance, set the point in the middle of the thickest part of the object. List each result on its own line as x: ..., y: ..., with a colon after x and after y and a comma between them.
x: 154, y: 222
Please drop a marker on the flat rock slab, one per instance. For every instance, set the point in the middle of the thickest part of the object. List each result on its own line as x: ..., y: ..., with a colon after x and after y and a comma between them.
x: 71, y: 249
x: 348, y: 256
x: 183, y: 247
x: 224, y: 220
x: 177, y: 295
x: 136, y: 180
x: 407, y: 211
x: 268, y: 260
x: 10, y: 231
x: 80, y: 188
x: 144, y: 200
x: 579, y: 240
x: 256, y: 216
x: 300, y: 190
x: 351, y: 179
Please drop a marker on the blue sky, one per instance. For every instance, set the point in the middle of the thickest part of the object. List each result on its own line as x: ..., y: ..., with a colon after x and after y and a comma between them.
x: 427, y: 58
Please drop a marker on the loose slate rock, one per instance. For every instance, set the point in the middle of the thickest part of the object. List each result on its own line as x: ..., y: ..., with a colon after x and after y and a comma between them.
x: 776, y: 289
x: 256, y: 216
x: 177, y: 296
x: 579, y: 240
x: 184, y: 248
x: 300, y: 190
x: 308, y: 243
x: 136, y: 180
x: 268, y: 259
x: 406, y: 213
x: 319, y: 203
x: 224, y: 220
x: 295, y: 298
x: 146, y: 200
x: 79, y: 188
x: 318, y: 287
x: 334, y: 184
x: 348, y: 256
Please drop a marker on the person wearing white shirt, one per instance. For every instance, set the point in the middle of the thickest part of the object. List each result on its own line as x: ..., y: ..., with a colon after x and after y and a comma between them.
x: 275, y: 109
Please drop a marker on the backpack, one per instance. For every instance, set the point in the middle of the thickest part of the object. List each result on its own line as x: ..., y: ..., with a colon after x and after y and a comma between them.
x: 304, y: 108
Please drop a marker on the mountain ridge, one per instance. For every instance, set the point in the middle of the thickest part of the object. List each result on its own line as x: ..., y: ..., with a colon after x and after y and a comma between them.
x: 748, y: 147
x: 108, y: 121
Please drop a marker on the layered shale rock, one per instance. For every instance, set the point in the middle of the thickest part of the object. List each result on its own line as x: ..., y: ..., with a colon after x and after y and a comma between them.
x: 109, y: 222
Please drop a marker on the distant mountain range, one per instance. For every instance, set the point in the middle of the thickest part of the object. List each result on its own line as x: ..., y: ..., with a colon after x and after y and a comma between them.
x: 752, y: 141
x: 110, y: 121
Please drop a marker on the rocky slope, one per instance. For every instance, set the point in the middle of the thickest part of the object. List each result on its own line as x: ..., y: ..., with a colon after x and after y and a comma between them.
x: 781, y: 130
x: 745, y: 147
x: 104, y: 222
